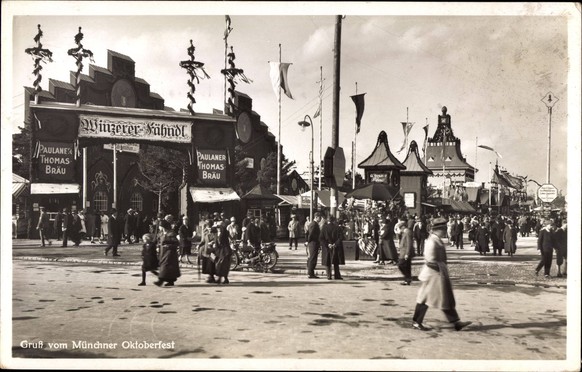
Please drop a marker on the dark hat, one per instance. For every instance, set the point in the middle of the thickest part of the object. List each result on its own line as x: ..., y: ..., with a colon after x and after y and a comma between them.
x: 439, y: 223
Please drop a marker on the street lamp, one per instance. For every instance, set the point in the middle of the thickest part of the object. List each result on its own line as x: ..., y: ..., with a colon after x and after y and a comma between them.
x: 303, y: 125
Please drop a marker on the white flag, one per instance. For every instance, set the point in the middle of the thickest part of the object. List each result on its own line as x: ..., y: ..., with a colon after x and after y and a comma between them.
x: 279, y: 78
x: 490, y: 149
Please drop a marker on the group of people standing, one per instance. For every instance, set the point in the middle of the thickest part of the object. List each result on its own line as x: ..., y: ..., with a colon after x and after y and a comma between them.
x: 501, y: 232
x: 325, y: 236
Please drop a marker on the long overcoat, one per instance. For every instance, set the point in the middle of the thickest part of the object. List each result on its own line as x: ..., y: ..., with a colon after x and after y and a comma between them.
x: 508, y: 239
x: 482, y: 239
x: 435, y: 289
x: 149, y: 257
x: 114, y: 227
x: 169, y: 264
x: 387, y: 251
x: 332, y: 234
x: 223, y: 253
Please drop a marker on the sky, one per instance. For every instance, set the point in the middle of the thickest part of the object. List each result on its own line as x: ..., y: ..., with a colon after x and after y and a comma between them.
x: 489, y: 64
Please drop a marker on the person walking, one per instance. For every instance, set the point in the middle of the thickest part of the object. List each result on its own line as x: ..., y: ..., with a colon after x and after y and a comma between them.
x: 405, y: 250
x: 293, y: 228
x: 207, y: 253
x: 482, y: 239
x: 114, y: 236
x: 546, y: 248
x: 508, y: 239
x: 561, y: 247
x: 233, y: 231
x: 65, y: 226
x: 185, y: 236
x: 90, y: 225
x: 436, y: 289
x: 149, y: 256
x: 459, y: 228
x: 420, y: 233
x: 58, y: 226
x: 223, y: 254
x: 43, y: 226
x: 76, y: 229
x: 169, y: 266
x: 104, y: 227
x: 383, y: 248
x: 332, y: 251
x: 313, y: 244
x: 83, y: 230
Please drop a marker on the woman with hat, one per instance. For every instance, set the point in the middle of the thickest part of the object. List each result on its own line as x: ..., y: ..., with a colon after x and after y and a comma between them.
x: 436, y: 289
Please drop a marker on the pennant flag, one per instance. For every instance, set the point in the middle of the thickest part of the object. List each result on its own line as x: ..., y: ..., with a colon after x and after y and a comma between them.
x: 318, y: 112
x: 228, y: 29
x: 279, y: 78
x: 490, y: 149
x: 406, y: 127
x: 425, y: 138
x: 359, y: 102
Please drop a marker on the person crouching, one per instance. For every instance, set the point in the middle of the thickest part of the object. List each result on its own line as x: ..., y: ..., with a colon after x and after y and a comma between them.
x: 169, y: 264
x: 149, y: 257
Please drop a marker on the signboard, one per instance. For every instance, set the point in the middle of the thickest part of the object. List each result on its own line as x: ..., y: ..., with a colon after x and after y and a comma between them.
x: 547, y: 193
x: 123, y: 147
x: 97, y: 126
x: 250, y: 162
x: 56, y: 161
x: 339, y: 167
x: 212, y: 166
x: 410, y: 199
x: 379, y: 177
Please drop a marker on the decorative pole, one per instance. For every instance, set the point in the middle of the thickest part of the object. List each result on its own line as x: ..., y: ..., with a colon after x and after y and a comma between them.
x: 40, y: 55
x: 227, y: 32
x: 79, y: 53
x: 549, y: 100
x: 231, y: 74
x: 191, y: 67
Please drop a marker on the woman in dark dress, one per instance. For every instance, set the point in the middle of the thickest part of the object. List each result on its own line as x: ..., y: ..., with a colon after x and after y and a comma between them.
x: 223, y: 254
x: 482, y: 239
x: 169, y: 265
x: 149, y: 257
x: 207, y: 249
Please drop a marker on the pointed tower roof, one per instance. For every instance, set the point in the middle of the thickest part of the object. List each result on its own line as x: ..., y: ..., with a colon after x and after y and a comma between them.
x: 413, y: 163
x: 381, y: 157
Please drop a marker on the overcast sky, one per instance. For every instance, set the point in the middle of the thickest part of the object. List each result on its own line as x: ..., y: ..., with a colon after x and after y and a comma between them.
x: 491, y: 68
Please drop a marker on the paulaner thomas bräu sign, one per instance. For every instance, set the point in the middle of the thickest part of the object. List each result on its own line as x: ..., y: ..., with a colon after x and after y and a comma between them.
x: 56, y: 161
x: 97, y: 126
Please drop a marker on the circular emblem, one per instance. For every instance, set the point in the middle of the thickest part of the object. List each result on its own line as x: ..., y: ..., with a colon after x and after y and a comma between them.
x: 244, y: 127
x: 123, y: 94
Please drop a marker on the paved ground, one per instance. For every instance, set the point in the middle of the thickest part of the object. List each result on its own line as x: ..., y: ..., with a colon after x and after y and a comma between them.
x: 88, y: 306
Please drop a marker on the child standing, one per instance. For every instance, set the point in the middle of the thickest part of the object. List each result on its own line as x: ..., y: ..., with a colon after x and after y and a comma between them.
x: 149, y: 257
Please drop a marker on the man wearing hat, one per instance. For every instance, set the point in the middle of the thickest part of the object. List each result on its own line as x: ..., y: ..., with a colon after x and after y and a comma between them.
x: 436, y: 289
x: 293, y: 228
x: 405, y: 250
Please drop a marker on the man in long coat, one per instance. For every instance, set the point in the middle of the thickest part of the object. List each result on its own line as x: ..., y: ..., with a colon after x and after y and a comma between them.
x: 436, y: 289
x: 405, y: 250
x: 313, y: 244
x: 420, y: 233
x: 332, y: 250
x: 67, y: 219
x: 43, y: 226
x: 114, y: 237
x: 546, y: 248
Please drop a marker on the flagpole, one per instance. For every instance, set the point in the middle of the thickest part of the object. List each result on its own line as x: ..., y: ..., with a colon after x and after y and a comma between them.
x: 320, y: 121
x: 406, y: 134
x: 225, y: 59
x: 279, y: 144
x: 490, y: 187
x: 425, y: 139
x: 354, y: 150
x: 475, y: 167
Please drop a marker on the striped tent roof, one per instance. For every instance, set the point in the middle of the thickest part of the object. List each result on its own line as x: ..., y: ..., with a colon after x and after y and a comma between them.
x: 19, y: 184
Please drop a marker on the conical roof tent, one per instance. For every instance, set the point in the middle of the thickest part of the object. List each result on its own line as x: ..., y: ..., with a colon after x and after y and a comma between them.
x: 413, y: 163
x: 260, y: 192
x: 381, y: 157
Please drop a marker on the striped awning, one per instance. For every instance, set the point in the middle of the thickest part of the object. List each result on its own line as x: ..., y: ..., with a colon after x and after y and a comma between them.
x: 288, y: 199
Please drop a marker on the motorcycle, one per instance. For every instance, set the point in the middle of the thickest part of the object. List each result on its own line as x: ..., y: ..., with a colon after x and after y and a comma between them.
x: 260, y: 259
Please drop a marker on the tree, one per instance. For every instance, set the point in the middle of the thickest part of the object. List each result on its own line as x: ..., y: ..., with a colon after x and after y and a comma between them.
x: 163, y: 170
x: 347, y: 186
x: 21, y: 152
x: 267, y: 174
x: 244, y: 177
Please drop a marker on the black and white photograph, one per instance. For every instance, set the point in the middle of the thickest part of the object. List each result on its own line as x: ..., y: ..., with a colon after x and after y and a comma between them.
x: 288, y: 185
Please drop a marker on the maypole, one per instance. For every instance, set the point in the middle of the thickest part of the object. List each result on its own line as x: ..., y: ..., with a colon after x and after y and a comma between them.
x: 279, y: 138
x: 79, y: 53
x: 39, y: 54
x: 191, y: 67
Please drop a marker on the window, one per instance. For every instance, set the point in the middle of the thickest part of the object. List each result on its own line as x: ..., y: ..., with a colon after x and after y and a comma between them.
x: 136, y: 201
x: 101, y: 201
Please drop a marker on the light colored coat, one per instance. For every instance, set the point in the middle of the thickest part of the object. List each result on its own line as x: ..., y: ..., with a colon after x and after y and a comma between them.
x: 436, y: 289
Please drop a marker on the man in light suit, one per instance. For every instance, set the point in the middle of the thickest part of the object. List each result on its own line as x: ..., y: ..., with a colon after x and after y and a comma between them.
x: 405, y: 250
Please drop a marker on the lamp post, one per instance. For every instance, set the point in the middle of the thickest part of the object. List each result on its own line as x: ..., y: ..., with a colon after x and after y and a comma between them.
x: 303, y: 125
